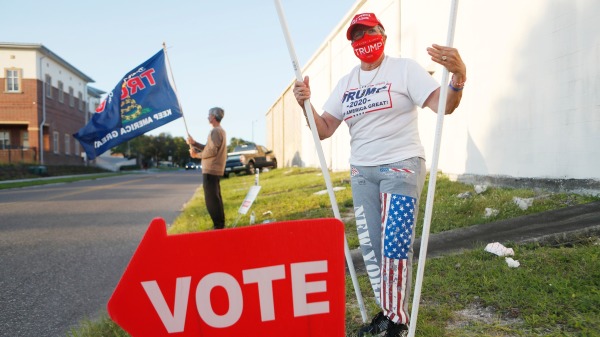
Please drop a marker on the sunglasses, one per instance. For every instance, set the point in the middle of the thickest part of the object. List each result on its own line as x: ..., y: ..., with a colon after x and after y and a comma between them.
x: 359, y: 33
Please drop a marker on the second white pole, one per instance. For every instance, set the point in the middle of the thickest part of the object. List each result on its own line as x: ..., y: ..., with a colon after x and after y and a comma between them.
x: 432, y: 178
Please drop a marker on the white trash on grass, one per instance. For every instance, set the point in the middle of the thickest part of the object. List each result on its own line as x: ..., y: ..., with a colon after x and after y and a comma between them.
x: 480, y: 188
x: 490, y: 212
x: 498, y: 249
x: 464, y: 195
x: 512, y: 263
x: 335, y: 189
x: 523, y: 203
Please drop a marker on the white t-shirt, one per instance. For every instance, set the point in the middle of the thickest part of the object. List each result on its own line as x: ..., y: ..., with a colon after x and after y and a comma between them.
x: 380, y: 109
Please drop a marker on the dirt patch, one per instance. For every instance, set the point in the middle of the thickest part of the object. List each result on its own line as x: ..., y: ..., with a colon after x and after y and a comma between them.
x: 477, y: 313
x: 347, y: 216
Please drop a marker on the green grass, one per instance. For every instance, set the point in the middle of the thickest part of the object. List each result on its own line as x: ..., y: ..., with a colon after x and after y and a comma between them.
x: 286, y: 194
x: 555, y: 291
x: 104, y: 327
x: 451, y: 212
x: 37, y: 182
x: 23, y: 171
x: 289, y: 194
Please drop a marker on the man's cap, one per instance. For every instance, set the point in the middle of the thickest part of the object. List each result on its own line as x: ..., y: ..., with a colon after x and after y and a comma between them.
x: 365, y: 19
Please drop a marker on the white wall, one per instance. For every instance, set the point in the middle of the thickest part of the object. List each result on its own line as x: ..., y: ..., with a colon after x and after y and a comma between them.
x: 59, y: 73
x: 531, y: 105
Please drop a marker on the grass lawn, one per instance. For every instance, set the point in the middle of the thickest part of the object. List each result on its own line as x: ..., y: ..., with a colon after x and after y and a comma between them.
x: 555, y: 291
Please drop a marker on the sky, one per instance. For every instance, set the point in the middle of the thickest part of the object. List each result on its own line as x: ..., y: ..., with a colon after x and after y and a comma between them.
x: 231, y: 54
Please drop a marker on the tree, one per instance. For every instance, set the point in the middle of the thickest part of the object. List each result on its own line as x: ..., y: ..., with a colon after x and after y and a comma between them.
x: 150, y: 150
x: 237, y: 142
x: 181, y: 151
x: 153, y: 149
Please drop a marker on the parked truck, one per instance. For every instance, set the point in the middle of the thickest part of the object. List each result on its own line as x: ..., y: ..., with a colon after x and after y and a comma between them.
x: 247, y: 158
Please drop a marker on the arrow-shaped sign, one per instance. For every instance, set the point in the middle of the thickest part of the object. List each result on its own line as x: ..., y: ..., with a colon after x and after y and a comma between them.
x: 278, y: 279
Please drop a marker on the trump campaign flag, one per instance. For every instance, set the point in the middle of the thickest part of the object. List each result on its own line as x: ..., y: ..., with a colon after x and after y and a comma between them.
x: 142, y: 101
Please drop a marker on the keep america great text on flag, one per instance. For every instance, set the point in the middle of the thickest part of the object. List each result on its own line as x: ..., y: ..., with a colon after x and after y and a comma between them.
x: 142, y: 101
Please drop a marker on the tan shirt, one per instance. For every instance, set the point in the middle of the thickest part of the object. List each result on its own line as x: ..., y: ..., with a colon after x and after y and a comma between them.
x: 214, y: 154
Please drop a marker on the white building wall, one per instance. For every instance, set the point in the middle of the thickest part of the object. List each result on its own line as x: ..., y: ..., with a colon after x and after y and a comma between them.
x: 531, y: 105
x: 30, y: 62
x: 23, y: 59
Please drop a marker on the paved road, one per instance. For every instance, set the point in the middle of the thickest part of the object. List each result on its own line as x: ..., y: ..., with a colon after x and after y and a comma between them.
x: 64, y: 247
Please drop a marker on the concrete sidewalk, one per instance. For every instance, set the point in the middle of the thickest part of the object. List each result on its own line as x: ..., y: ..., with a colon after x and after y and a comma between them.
x: 559, y: 225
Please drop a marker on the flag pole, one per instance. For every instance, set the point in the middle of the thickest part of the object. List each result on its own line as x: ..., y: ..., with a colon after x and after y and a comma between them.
x: 175, y: 87
x: 432, y: 178
x: 313, y: 127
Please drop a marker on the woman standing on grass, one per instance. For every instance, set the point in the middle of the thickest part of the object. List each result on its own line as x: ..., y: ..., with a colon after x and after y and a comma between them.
x: 378, y: 100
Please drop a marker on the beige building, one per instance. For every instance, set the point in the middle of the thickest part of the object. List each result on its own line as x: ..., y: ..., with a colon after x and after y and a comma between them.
x: 531, y: 106
x: 44, y: 100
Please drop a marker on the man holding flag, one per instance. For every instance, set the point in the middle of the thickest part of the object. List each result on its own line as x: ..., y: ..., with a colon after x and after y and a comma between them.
x: 214, y: 156
x: 142, y: 101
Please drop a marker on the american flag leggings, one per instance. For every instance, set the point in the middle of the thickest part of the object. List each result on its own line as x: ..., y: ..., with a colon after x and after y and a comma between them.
x: 386, y: 206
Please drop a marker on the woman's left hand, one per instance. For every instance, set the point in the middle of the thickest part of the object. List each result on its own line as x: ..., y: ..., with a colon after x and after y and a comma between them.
x: 449, y: 58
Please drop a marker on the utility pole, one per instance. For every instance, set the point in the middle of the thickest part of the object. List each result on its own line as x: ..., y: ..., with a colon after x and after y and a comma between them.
x: 256, y: 120
x: 43, y: 80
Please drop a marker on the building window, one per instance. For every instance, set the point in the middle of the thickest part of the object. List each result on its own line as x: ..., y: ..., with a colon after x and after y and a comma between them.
x: 55, y: 142
x: 80, y: 96
x: 13, y: 80
x: 71, y: 97
x: 48, y: 86
x: 77, y: 152
x: 61, y: 92
x: 25, y: 140
x: 67, y: 144
x: 4, y: 139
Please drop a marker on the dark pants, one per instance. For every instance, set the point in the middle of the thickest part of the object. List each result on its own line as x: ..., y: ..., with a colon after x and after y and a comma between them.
x: 214, y: 201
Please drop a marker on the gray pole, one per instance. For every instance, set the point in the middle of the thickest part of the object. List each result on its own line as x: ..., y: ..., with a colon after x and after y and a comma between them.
x: 43, y: 112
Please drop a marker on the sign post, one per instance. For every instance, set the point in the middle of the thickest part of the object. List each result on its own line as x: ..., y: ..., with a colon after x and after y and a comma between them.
x: 248, y: 201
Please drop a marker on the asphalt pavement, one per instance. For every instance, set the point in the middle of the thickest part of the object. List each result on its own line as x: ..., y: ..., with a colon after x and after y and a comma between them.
x: 561, y: 225
x: 64, y: 247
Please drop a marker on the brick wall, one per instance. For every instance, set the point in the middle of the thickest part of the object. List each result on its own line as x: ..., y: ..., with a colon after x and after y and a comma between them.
x: 25, y: 108
x: 21, y: 106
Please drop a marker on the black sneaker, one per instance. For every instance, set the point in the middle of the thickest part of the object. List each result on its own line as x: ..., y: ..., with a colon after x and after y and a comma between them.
x: 396, y: 330
x: 379, y: 324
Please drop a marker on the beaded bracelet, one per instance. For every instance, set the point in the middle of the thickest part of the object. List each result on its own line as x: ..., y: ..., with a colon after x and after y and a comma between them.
x: 456, y: 86
x: 453, y: 88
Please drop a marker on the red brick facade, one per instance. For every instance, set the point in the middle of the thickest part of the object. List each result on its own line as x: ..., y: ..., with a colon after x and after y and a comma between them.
x: 25, y: 105
x: 21, y: 114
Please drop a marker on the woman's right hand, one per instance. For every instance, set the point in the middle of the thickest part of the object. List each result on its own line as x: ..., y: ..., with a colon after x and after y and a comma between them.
x: 302, y: 91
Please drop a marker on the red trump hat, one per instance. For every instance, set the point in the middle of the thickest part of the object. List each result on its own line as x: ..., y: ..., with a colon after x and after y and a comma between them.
x: 365, y: 19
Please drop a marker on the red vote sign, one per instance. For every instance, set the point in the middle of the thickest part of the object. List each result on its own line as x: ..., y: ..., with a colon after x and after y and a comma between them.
x: 278, y: 279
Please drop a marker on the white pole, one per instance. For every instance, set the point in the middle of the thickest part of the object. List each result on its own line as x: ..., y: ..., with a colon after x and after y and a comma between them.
x: 313, y: 127
x: 432, y: 178
x: 175, y: 87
